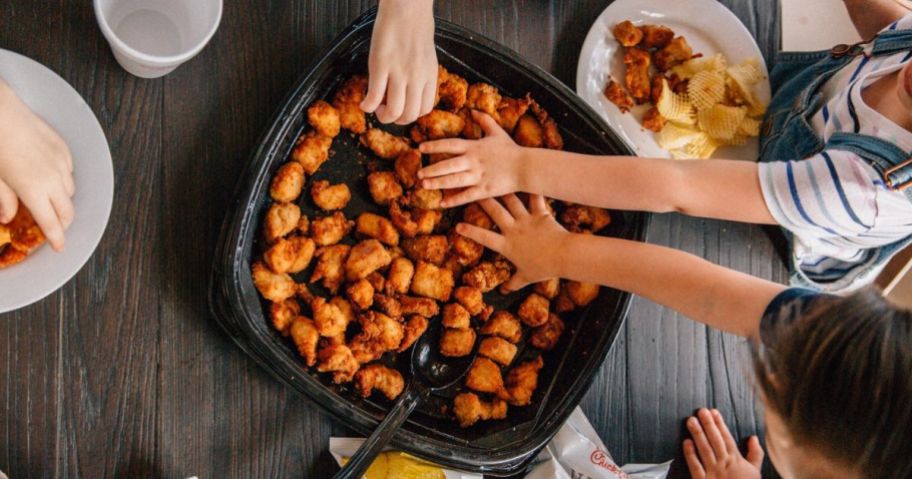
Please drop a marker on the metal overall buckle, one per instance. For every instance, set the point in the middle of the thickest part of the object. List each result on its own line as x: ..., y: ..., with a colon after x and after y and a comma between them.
x: 889, y: 181
x: 852, y: 50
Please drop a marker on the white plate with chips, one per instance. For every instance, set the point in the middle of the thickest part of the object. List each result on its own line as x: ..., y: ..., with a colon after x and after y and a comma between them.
x: 709, y: 28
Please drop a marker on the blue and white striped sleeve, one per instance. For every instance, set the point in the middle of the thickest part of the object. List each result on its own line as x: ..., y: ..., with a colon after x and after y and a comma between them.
x: 829, y: 196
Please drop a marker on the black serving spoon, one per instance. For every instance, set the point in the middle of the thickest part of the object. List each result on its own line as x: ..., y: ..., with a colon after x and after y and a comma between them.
x: 430, y: 372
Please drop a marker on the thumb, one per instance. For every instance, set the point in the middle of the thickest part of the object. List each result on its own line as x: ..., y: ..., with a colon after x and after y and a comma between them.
x: 517, y: 282
x: 9, y: 203
x: 754, y: 452
x: 488, y: 124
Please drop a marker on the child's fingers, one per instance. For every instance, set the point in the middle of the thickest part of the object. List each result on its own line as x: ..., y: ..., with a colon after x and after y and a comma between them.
x: 47, y: 220
x: 64, y: 209
x: 730, y: 443
x: 515, y: 206
x: 428, y: 96
x: 516, y: 282
x: 488, y: 125
x: 497, y: 212
x: 754, y: 452
x: 69, y: 185
x: 712, y: 432
x: 456, y: 180
x: 456, y: 164
x: 464, y: 197
x: 486, y: 238
x: 395, y: 101
x: 537, y: 205
x: 707, y: 456
x: 9, y: 203
x: 376, y: 89
x: 693, y: 462
x: 453, y: 146
x: 412, y: 104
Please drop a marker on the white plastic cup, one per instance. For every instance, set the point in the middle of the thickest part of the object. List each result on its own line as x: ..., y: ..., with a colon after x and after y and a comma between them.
x: 150, y: 38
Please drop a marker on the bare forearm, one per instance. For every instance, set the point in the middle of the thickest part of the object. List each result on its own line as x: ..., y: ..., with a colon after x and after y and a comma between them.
x: 721, y: 189
x: 872, y: 16
x: 718, y: 297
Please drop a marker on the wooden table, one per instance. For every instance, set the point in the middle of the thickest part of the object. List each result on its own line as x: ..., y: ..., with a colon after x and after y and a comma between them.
x: 123, y: 372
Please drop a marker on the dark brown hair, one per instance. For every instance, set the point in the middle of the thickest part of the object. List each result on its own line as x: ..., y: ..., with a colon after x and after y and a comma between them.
x: 840, y: 377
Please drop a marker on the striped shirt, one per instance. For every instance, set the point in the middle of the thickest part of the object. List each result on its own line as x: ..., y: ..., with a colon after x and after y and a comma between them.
x: 835, y: 205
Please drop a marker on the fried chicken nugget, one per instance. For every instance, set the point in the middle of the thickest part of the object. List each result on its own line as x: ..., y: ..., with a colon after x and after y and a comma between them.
x: 421, y: 306
x: 456, y: 343
x: 522, y: 381
x: 483, y: 97
x: 24, y: 237
x: 467, y: 251
x: 504, y: 325
x: 414, y: 328
x: 550, y: 132
x: 331, y: 260
x: 562, y: 303
x: 406, y: 167
x: 281, y: 219
x: 282, y: 313
x: 534, y: 310
x: 274, y: 287
x: 545, y: 337
x: 452, y: 89
x: 385, y: 332
x: 329, y: 230
x: 312, y: 151
x: 653, y: 120
x: 377, y: 227
x: 328, y: 317
x: 430, y: 248
x: 377, y: 280
x: 324, y: 118
x: 470, y: 298
x: 388, y: 305
x: 627, y: 34
x: 383, y: 144
x: 677, y: 52
x: 432, y: 282
x: 498, y: 350
x: 529, y: 132
x: 377, y: 376
x: 383, y: 187
x: 637, y: 78
x: 290, y: 255
x: 339, y: 360
x: 455, y: 316
x: 328, y: 197
x: 399, y: 277
x: 425, y: 199
x: 548, y: 288
x: 287, y: 183
x: 616, y: 94
x: 581, y: 293
x: 436, y: 125
x: 510, y: 110
x: 487, y: 275
x: 579, y: 218
x: 305, y: 337
x: 426, y: 220
x: 484, y: 376
x: 360, y: 293
x: 656, y: 36
x: 472, y: 130
x: 473, y: 214
x: 365, y: 258
x: 348, y: 103
x: 469, y: 409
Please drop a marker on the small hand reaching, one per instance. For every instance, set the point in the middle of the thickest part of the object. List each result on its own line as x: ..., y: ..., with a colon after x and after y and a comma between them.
x: 402, y: 62
x: 530, y: 238
x: 35, y: 168
x: 712, y: 452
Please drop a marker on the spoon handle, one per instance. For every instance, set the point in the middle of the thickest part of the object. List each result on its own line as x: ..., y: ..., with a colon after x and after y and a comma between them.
x: 361, y: 461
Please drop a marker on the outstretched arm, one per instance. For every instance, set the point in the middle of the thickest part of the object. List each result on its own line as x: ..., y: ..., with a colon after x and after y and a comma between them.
x: 540, y: 248
x: 872, y: 16
x: 496, y: 166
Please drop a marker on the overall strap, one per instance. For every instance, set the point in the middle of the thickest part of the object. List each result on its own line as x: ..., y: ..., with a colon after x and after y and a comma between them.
x: 892, y: 163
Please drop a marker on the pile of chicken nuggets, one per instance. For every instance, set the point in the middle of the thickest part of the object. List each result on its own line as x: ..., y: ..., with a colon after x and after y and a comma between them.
x: 383, y: 278
x: 19, y: 238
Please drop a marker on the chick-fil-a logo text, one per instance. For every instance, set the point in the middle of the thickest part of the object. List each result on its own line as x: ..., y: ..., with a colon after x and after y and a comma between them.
x: 600, y: 458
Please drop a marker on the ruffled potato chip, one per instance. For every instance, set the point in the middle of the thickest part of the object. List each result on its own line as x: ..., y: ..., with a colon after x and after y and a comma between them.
x: 687, y: 70
x: 721, y: 121
x: 675, y: 137
x: 705, y: 89
x: 675, y: 107
x: 749, y: 127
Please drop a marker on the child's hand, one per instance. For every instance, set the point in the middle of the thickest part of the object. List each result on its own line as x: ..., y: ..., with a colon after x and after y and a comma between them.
x: 487, y: 168
x: 35, y: 168
x: 527, y: 237
x: 403, y: 62
x: 713, y: 453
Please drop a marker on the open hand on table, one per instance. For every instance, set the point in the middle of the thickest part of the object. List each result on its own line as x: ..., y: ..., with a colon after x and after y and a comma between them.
x: 35, y: 168
x: 486, y: 168
x: 712, y: 452
x: 403, y: 62
x: 527, y: 237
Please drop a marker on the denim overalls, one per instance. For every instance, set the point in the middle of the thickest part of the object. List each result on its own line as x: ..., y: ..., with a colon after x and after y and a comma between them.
x: 787, y: 133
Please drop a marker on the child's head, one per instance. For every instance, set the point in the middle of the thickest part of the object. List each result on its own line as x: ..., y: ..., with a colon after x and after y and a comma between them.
x: 837, y: 386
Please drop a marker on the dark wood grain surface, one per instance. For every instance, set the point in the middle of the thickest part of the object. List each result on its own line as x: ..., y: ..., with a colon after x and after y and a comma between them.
x: 123, y: 373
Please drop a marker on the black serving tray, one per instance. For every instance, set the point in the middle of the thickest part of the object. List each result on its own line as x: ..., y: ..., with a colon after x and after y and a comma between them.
x: 498, y: 447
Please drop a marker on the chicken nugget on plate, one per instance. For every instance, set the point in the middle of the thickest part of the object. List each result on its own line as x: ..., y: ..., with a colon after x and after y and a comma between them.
x: 677, y: 52
x: 328, y: 197
x: 470, y: 298
x: 329, y: 230
x: 324, y: 118
x: 290, y: 255
x: 637, y: 78
x: 653, y: 120
x: 545, y: 337
x: 510, y: 110
x: 330, y: 264
x: 414, y: 328
x: 329, y: 319
x: 473, y: 214
x: 437, y: 124
x: 399, y: 277
x: 406, y: 167
x: 388, y: 305
x: 306, y: 337
x: 484, y: 376
x: 377, y: 376
x: 456, y: 343
x: 360, y: 293
x: 468, y: 252
x: 425, y: 199
x: 455, y: 316
x: 550, y: 134
x: 504, y: 325
x: 498, y: 350
x: 348, y: 103
x: 383, y: 187
x: 487, y: 275
x: 430, y: 248
x: 656, y: 36
x: 469, y: 409
x: 282, y: 313
x: 529, y: 132
x: 432, y: 282
x: 616, y: 94
x: 426, y: 307
x: 483, y: 97
x: 339, y: 360
x: 287, y: 183
x: 534, y: 310
x: 377, y: 227
x: 548, y: 288
x: 274, y: 287
x: 312, y: 151
x: 472, y: 130
x: 365, y: 258
x: 581, y: 293
x: 383, y: 144
x: 627, y: 34
x: 452, y: 90
x: 281, y: 219
x: 522, y: 381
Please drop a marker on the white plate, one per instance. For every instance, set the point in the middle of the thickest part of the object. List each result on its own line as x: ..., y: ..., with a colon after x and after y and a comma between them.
x: 709, y: 27
x: 54, y: 100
